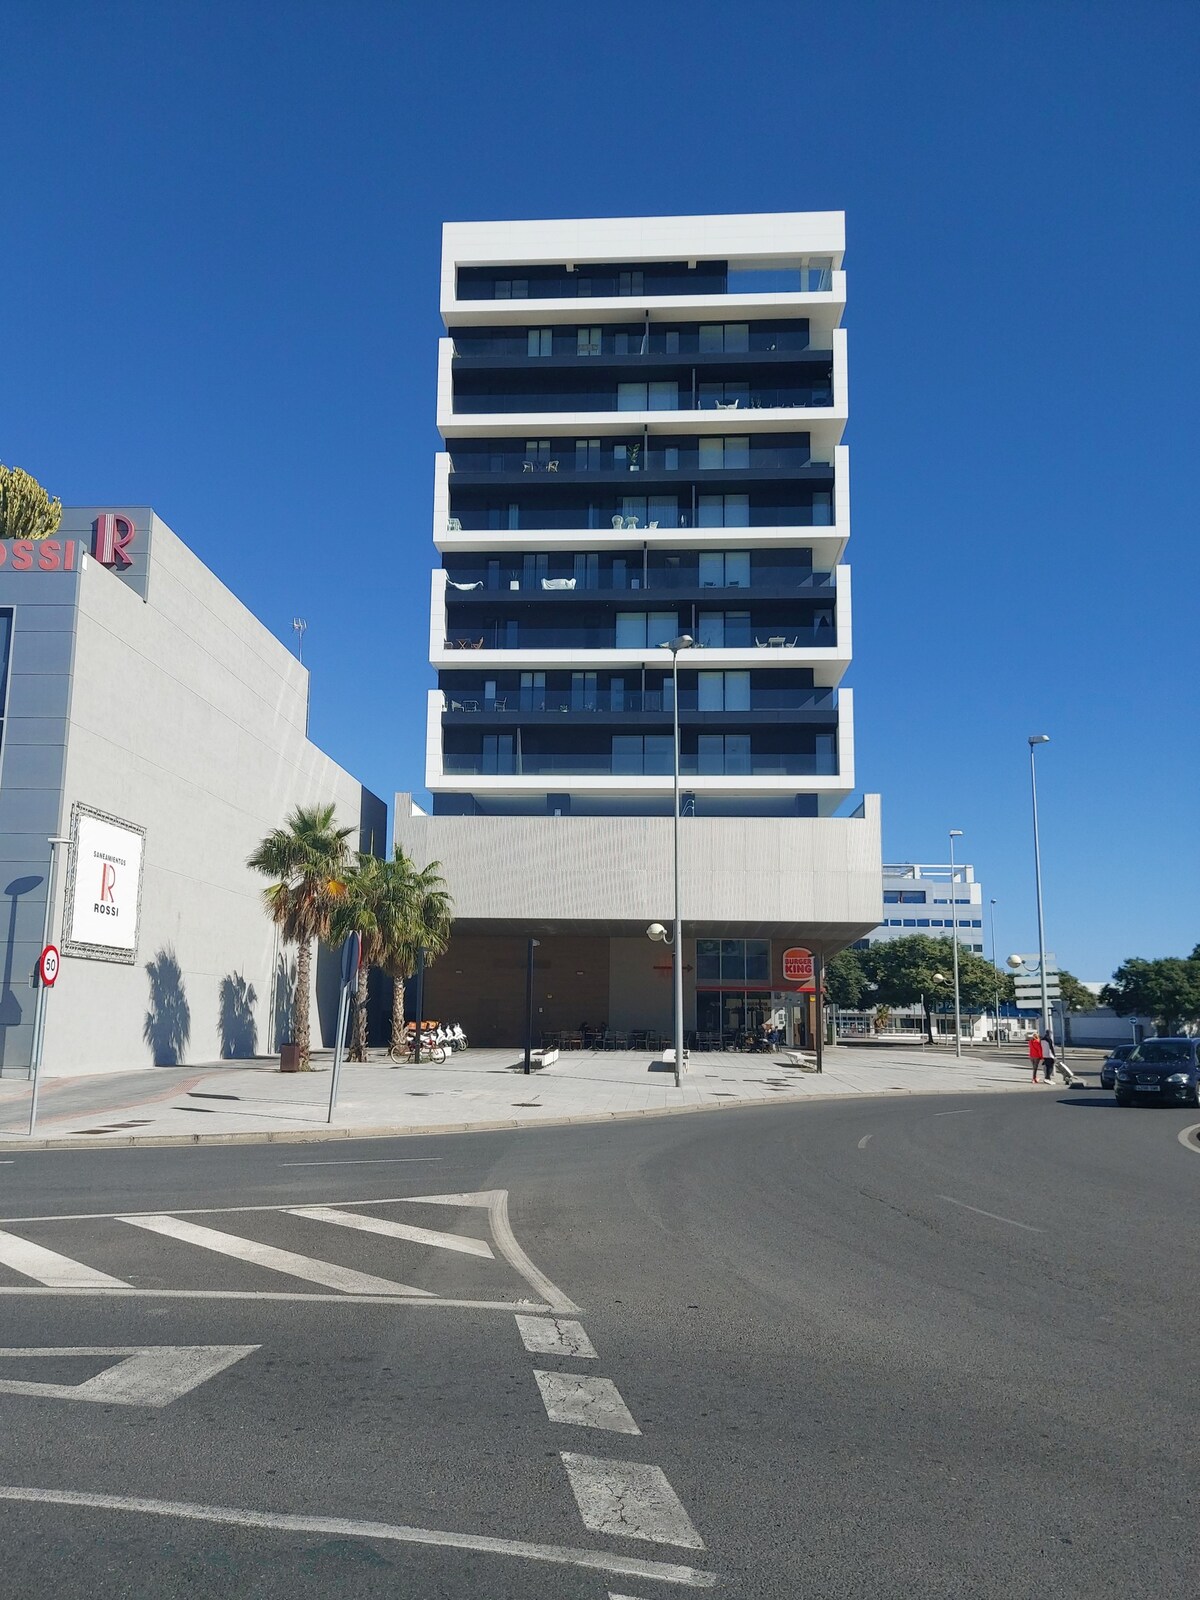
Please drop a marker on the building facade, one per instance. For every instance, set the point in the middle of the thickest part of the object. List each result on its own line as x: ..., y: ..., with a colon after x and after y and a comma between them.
x: 152, y: 723
x: 918, y: 898
x: 643, y: 427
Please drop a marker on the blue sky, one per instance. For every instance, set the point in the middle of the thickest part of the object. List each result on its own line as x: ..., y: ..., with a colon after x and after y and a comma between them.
x: 219, y: 292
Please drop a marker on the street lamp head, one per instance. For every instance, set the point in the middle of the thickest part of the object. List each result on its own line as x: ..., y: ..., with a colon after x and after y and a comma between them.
x: 1039, y: 738
x: 58, y: 839
x: 683, y: 642
x: 1015, y: 962
x: 657, y: 932
x: 939, y: 977
x: 956, y: 833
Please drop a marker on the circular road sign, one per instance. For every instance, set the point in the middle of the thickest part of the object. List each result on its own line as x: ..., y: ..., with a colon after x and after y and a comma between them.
x: 48, y: 963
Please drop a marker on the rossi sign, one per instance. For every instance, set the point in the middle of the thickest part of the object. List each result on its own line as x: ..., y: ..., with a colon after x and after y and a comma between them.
x: 104, y: 887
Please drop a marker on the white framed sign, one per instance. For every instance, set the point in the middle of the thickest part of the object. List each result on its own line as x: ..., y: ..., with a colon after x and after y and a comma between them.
x: 104, y: 886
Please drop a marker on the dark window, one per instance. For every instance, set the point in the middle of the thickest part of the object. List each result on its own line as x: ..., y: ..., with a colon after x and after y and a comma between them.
x: 6, y: 626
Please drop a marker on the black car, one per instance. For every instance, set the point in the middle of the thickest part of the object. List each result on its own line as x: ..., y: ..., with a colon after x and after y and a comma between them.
x: 1114, y: 1058
x: 1161, y: 1069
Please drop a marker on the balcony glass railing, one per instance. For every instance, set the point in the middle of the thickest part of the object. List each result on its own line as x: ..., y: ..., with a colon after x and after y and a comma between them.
x: 562, y: 458
x: 634, y: 341
x: 642, y: 283
x: 602, y: 763
x: 508, y: 582
x: 680, y: 397
x: 641, y: 701
x: 507, y: 636
x: 635, y: 514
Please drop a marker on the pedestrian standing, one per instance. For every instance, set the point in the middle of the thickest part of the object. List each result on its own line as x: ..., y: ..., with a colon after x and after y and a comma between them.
x: 1048, y: 1056
x: 1035, y: 1055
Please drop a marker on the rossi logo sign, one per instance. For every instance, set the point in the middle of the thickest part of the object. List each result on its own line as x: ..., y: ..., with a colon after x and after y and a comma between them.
x: 104, y: 893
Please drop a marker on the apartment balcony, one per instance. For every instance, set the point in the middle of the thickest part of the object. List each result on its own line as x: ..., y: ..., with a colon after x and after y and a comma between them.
x: 651, y: 394
x: 548, y: 579
x: 635, y: 343
x: 631, y: 706
x: 604, y: 763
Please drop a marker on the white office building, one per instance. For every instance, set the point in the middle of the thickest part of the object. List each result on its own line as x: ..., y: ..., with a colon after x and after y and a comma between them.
x: 935, y: 900
x: 643, y: 427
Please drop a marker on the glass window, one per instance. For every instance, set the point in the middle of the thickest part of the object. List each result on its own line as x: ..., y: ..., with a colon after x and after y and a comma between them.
x: 708, y: 958
x: 710, y: 754
x: 737, y: 629
x: 891, y: 897
x: 630, y: 283
x: 541, y: 341
x: 631, y: 630
x: 710, y: 694
x: 711, y: 337
x: 664, y: 397
x: 737, y: 511
x: 737, y: 569
x: 712, y: 456
x: 627, y: 752
x: 737, y: 337
x: 587, y: 341
x: 712, y: 569
x: 661, y: 627
x: 737, y: 691
x: 910, y: 922
x: 737, y: 450
x: 758, y: 960
x: 631, y: 397
x: 712, y: 628
x: 733, y: 959
x: 659, y: 753
x: 671, y: 342
x: 664, y: 508
x: 634, y: 505
x: 587, y: 455
x: 922, y: 922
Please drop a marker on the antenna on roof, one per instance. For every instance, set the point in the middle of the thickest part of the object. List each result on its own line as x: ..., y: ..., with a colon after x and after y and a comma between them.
x: 299, y: 625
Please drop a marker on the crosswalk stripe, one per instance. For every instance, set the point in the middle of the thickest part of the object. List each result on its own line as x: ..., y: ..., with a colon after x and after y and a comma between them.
x: 266, y: 1255
x: 395, y: 1230
x: 555, y: 1336
x: 631, y: 1499
x: 48, y: 1267
x: 587, y: 1402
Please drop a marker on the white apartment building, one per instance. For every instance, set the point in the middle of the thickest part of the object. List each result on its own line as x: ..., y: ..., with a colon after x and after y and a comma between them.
x: 920, y: 898
x: 643, y: 423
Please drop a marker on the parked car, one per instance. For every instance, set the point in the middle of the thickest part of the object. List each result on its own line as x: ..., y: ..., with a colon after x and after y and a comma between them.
x: 1161, y: 1069
x: 1114, y: 1058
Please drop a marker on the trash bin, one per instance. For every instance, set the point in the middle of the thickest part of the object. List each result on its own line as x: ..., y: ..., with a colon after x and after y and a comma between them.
x: 289, y: 1058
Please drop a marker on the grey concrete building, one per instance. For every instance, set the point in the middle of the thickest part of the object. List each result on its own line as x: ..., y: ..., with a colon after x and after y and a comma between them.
x: 150, y: 721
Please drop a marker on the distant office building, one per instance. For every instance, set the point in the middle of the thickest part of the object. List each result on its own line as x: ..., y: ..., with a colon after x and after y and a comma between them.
x: 643, y: 425
x: 923, y: 899
x: 148, y: 719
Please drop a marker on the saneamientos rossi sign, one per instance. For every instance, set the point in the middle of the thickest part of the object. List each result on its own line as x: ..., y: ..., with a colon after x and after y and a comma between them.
x: 104, y: 888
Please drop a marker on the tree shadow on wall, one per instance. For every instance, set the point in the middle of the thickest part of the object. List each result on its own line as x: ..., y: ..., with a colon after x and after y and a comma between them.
x: 239, y: 1030
x: 168, y: 1024
x: 284, y: 1003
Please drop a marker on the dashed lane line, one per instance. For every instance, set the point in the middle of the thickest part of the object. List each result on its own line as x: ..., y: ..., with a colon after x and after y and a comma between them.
x: 585, y: 1402
x: 382, y: 1532
x: 363, y: 1161
x: 417, y: 1300
x: 50, y: 1269
x: 995, y: 1216
x: 555, y: 1336
x: 865, y: 1140
x: 631, y: 1499
x: 327, y: 1273
x: 395, y: 1230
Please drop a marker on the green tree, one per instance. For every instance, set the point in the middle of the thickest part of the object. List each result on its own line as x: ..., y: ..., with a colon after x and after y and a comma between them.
x: 1167, y: 990
x: 424, y: 912
x: 919, y: 970
x: 26, y: 510
x: 307, y: 859
x: 845, y: 980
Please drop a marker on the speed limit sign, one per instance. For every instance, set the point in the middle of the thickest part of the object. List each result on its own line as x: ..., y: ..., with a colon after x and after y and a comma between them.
x: 48, y: 965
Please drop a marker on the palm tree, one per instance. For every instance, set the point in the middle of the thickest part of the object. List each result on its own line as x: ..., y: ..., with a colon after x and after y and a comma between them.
x: 365, y: 909
x: 307, y: 860
x: 424, y: 913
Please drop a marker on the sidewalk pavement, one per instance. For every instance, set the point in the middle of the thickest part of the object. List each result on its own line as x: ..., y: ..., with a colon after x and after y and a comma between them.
x: 252, y: 1101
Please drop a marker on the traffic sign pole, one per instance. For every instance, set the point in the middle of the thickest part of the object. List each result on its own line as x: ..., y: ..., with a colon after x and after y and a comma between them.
x: 351, y: 956
x: 45, y: 984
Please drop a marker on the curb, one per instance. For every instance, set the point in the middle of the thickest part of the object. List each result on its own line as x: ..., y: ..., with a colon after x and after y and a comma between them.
x: 322, y: 1135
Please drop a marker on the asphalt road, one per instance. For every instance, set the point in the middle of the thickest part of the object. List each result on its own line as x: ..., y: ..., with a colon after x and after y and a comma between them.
x: 935, y: 1347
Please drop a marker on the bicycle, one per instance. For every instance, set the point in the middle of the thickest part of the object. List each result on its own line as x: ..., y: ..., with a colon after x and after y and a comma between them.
x: 429, y: 1051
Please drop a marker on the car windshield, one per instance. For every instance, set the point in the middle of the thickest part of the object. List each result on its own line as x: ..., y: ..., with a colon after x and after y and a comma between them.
x: 1158, y: 1052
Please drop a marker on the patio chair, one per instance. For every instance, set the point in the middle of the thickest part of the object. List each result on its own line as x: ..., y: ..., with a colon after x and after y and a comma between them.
x: 616, y: 1041
x: 453, y: 525
x: 552, y: 466
x: 618, y: 522
x: 527, y: 466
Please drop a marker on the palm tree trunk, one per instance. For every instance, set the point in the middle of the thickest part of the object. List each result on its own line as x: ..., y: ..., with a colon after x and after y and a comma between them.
x: 300, y: 1032
x: 358, y: 1039
x: 397, y: 1011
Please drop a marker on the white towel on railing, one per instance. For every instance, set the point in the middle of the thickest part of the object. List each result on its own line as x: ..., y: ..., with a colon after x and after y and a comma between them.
x: 453, y: 585
x: 558, y: 583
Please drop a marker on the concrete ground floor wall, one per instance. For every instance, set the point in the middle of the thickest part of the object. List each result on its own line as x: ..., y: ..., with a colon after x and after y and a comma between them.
x: 598, y: 982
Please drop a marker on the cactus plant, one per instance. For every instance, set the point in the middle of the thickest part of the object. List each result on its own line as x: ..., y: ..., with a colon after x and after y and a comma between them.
x: 26, y: 510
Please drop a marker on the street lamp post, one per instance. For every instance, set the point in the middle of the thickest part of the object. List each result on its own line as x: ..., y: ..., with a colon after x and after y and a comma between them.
x: 533, y: 944
x: 683, y: 642
x: 996, y: 970
x: 1034, y: 740
x: 39, y: 1010
x: 955, y: 833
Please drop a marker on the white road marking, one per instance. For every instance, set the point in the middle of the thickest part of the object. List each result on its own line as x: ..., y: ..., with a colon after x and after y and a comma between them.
x: 266, y: 1255
x: 865, y: 1140
x: 417, y: 1299
x: 1012, y: 1222
x: 393, y: 1533
x: 555, y: 1336
x: 396, y: 1230
x: 51, y: 1269
x: 147, y: 1376
x: 630, y: 1499
x: 967, y: 1111
x: 496, y: 1201
x: 366, y: 1161
x: 586, y: 1402
x: 1187, y: 1142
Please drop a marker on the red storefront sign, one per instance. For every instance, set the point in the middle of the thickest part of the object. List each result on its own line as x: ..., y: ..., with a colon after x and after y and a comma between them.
x: 38, y: 555
x: 797, y: 966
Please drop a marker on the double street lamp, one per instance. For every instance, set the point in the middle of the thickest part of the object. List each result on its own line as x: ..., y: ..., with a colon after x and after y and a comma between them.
x: 1034, y: 740
x: 656, y: 929
x: 955, y: 833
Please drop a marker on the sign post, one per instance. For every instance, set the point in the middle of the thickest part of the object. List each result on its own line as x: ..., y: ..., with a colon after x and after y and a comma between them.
x: 47, y: 973
x: 351, y: 956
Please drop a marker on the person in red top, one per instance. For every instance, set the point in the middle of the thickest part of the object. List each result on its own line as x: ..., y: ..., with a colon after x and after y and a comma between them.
x: 1035, y: 1055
